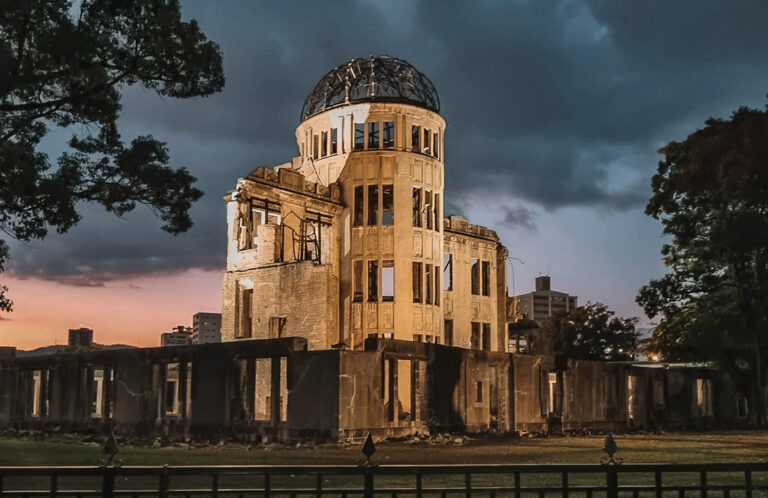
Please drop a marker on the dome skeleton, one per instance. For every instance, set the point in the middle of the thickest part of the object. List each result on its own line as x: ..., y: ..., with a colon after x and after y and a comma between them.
x: 380, y: 79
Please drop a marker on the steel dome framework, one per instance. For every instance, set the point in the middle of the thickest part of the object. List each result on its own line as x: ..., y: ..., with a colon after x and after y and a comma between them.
x: 373, y: 79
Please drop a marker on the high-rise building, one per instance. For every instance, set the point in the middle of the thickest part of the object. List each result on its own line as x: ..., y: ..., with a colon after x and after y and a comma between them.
x: 542, y: 302
x: 80, y: 338
x: 206, y: 327
x: 181, y: 336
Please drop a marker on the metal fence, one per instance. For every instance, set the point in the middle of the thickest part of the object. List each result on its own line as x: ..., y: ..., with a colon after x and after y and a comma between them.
x: 391, y: 481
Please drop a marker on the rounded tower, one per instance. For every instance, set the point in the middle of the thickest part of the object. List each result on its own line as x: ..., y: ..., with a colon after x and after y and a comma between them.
x: 373, y: 125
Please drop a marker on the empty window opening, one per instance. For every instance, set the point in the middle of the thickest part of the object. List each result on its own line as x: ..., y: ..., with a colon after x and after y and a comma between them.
x: 436, y: 211
x: 262, y: 399
x: 437, y: 285
x: 448, y: 271
x: 474, y: 340
x: 97, y: 393
x: 631, y: 387
x: 283, y: 389
x: 188, y: 406
x: 357, y: 282
x: 428, y: 279
x: 436, y: 145
x: 552, y: 378
x: 334, y: 140
x: 324, y: 144
x: 172, y: 389
x: 389, y: 134
x: 373, y: 205
x: 246, y: 304
x: 415, y: 133
x: 387, y: 281
x: 35, y: 400
x: 373, y: 135
x: 315, y: 146
x: 417, y: 207
x: 425, y: 148
x: 742, y: 410
x: 487, y: 336
x: 359, y: 136
x: 359, y: 206
x: 704, y: 406
x: 486, y: 278
x: 387, y: 205
x: 478, y: 392
x: 276, y: 326
x: 428, y: 208
x: 448, y: 332
x: 373, y: 281
x: 416, y: 279
x: 418, y: 338
x: 475, y: 276
x: 516, y: 343
x: 404, y: 386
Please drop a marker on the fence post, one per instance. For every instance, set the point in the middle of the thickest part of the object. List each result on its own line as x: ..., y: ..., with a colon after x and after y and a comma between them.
x: 612, y: 482
x: 108, y: 482
x: 163, y: 487
x: 368, y: 491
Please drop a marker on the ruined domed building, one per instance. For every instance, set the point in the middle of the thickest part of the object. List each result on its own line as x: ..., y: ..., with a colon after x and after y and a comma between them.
x: 348, y: 241
x: 351, y: 304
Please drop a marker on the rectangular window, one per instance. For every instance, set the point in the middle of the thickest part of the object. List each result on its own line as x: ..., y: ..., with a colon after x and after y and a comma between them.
x: 486, y: 278
x: 172, y: 389
x: 315, y: 146
x: 448, y: 332
x: 487, y: 336
x: 428, y: 208
x: 324, y: 144
x: 436, y: 211
x: 373, y: 205
x: 436, y: 145
x: 373, y: 281
x: 474, y: 341
x: 387, y: 281
x: 357, y: 282
x: 359, y: 205
x: 417, y: 207
x: 475, y: 276
x: 428, y: 278
x: 359, y: 136
x: 425, y: 146
x: 389, y: 134
x: 276, y: 326
x: 448, y: 271
x: 418, y: 338
x: 387, y: 205
x: 415, y: 132
x: 416, y: 282
x: 437, y: 285
x: 373, y: 135
x: 97, y: 393
x: 478, y: 392
x: 245, y: 313
x: 334, y: 140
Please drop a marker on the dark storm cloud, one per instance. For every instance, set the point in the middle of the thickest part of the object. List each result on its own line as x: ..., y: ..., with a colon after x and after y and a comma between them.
x: 551, y: 103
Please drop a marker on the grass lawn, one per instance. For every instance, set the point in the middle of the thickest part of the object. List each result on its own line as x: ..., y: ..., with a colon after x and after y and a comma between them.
x: 705, y: 447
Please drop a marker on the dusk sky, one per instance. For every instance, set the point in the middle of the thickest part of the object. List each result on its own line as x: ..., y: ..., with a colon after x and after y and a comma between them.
x: 555, y: 111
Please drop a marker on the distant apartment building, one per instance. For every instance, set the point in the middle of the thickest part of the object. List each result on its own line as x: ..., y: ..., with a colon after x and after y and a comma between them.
x: 80, y: 338
x: 181, y: 336
x: 541, y: 303
x: 206, y: 327
x: 527, y: 311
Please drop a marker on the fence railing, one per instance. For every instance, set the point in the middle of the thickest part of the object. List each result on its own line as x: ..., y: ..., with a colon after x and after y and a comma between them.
x: 347, y: 481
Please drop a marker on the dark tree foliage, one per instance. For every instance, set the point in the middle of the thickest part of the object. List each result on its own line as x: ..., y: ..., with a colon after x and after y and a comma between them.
x: 711, y: 194
x: 591, y: 332
x: 63, y: 64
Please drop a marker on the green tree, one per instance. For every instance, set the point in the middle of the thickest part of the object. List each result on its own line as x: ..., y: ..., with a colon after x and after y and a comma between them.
x: 711, y: 195
x: 63, y: 63
x: 591, y: 332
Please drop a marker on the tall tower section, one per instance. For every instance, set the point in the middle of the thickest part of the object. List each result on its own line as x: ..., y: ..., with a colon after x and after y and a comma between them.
x: 372, y: 126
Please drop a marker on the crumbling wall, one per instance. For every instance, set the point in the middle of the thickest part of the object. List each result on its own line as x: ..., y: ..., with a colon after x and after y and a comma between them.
x: 595, y: 396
